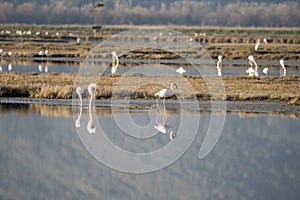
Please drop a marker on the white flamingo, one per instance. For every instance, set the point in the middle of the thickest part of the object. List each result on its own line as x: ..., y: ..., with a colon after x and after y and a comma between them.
x: 282, y: 68
x: 250, y: 71
x: 180, y: 70
x: 163, y: 127
x: 9, y: 67
x: 219, y: 65
x: 251, y: 62
x: 115, y: 62
x: 40, y: 67
x: 79, y: 92
x: 92, y: 88
x: 166, y: 93
x: 266, y: 71
x: 257, y: 45
x: 10, y: 53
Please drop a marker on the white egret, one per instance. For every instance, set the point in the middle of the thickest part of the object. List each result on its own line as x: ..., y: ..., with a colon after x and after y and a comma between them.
x: 180, y: 70
x: 266, y: 71
x: 0, y: 69
x: 166, y: 93
x: 282, y: 68
x: 46, y: 69
x: 92, y: 88
x: 265, y: 40
x: 219, y: 65
x: 251, y: 62
x: 79, y: 92
x: 1, y: 51
x: 257, y: 45
x: 115, y: 62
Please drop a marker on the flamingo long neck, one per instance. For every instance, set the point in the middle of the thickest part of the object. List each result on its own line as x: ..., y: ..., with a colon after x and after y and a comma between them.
x: 172, y: 89
x: 115, y: 63
x: 283, y: 69
x: 219, y: 67
x: 256, y: 66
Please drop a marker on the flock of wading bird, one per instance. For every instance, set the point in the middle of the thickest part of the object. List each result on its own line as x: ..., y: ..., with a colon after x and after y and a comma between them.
x: 169, y: 92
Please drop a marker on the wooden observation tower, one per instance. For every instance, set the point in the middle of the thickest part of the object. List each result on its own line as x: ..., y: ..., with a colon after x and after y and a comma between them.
x: 97, y: 17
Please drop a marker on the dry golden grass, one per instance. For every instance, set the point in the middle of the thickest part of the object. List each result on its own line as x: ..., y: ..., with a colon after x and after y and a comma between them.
x: 237, y: 88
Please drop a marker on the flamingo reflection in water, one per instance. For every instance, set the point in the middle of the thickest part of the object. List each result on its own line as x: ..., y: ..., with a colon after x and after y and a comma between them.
x: 162, y: 126
x: 79, y: 92
x: 92, y: 89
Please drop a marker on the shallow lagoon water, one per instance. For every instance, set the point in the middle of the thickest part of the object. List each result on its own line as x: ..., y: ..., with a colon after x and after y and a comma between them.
x: 230, y: 68
x: 43, y: 156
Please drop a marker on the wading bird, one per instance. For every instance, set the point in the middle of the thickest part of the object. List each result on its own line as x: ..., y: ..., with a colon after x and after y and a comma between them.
x: 257, y: 45
x: 166, y: 93
x: 282, y: 68
x: 115, y: 62
x: 79, y: 91
x: 266, y: 71
x: 92, y: 88
x: 250, y: 71
x: 9, y: 67
x: 219, y: 65
x: 180, y: 70
x: 251, y: 62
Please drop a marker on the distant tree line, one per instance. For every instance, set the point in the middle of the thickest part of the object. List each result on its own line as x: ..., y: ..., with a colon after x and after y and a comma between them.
x: 275, y: 13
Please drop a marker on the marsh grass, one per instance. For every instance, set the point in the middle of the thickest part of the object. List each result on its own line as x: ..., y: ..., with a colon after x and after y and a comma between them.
x: 237, y: 88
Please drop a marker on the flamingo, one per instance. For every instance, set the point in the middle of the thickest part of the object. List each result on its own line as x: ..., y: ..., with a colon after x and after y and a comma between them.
x: 257, y: 45
x: 79, y: 92
x: 9, y: 67
x: 252, y: 61
x: 40, y: 68
x: 163, y: 128
x: 219, y: 65
x: 166, y: 93
x: 282, y: 68
x: 180, y: 70
x: 250, y: 71
x: 10, y: 53
x: 266, y: 71
x: 115, y: 62
x: 92, y: 88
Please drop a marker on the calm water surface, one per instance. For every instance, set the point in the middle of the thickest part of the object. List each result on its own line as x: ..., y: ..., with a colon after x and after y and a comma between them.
x: 230, y: 68
x: 42, y: 156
